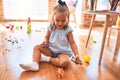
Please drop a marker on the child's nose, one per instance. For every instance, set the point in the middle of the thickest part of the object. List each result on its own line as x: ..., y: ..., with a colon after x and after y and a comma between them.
x: 60, y: 23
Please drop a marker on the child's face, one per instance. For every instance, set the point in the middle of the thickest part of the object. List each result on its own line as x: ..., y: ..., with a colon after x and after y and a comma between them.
x: 60, y: 20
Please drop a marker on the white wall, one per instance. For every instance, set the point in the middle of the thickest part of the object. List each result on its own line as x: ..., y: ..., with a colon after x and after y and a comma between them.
x: 22, y: 9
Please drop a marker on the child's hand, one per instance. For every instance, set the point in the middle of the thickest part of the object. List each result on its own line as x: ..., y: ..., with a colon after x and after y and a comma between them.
x: 76, y: 59
x: 76, y: 56
x: 44, y: 44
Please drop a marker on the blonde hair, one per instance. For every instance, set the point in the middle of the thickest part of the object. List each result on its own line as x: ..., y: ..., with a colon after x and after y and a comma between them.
x: 61, y: 9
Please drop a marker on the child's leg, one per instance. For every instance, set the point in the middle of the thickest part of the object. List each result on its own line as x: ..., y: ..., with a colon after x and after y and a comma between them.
x: 61, y: 61
x: 38, y: 50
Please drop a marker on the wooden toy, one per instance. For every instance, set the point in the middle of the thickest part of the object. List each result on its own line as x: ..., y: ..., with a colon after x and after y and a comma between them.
x: 60, y: 72
x: 28, y: 25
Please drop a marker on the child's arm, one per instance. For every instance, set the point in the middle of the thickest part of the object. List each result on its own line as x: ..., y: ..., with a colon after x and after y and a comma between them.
x: 73, y: 44
x: 47, y: 36
x: 46, y: 39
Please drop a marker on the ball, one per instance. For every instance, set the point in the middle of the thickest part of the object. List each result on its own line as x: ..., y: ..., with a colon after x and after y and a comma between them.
x: 87, y: 58
x: 94, y: 41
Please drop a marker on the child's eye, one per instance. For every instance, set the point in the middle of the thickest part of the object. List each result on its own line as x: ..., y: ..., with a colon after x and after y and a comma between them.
x: 63, y: 21
x: 57, y: 20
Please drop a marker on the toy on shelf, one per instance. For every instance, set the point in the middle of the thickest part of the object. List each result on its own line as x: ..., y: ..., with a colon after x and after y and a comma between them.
x: 28, y: 25
x: 60, y: 72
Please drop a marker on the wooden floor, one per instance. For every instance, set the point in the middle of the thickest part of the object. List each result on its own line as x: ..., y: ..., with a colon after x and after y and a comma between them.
x: 16, y: 53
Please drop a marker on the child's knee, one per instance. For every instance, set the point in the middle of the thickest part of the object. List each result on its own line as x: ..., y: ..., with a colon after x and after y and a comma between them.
x: 37, y: 47
x: 64, y: 63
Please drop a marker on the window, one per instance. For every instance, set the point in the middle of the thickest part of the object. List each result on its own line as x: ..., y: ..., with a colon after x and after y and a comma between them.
x: 102, y: 5
x: 22, y: 9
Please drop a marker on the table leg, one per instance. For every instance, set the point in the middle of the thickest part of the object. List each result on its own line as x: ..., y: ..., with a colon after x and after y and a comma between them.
x: 104, y: 38
x: 90, y: 29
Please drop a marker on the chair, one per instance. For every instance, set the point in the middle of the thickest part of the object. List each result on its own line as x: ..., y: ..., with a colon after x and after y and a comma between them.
x: 116, y: 27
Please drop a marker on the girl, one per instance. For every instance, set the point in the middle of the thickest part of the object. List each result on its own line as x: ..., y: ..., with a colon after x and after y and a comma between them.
x: 58, y: 45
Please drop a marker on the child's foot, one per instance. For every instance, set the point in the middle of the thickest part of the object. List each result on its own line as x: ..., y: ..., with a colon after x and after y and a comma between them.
x: 45, y: 58
x: 30, y: 66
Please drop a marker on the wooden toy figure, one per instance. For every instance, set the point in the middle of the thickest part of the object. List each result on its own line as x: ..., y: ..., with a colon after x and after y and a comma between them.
x: 60, y: 72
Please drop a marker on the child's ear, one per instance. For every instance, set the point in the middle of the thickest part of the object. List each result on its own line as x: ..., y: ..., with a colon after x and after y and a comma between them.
x: 66, y: 23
